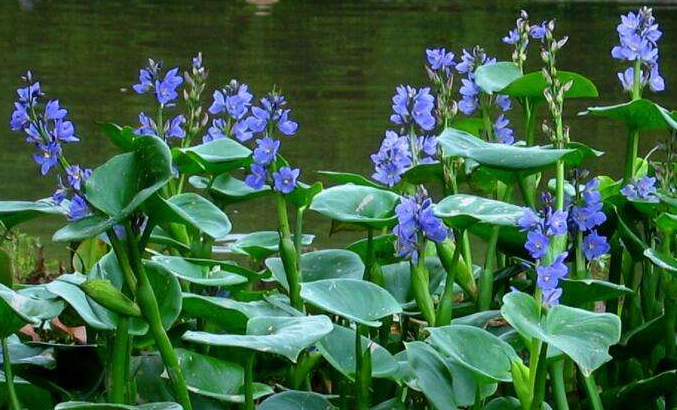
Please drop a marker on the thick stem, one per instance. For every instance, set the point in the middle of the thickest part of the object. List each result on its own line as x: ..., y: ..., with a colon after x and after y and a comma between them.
x: 13, y: 399
x: 486, y: 284
x: 446, y: 305
x: 529, y: 121
x: 581, y: 271
x: 249, y: 381
x: 540, y: 379
x: 420, y: 283
x: 298, y: 234
x: 288, y: 253
x: 362, y: 370
x: 593, y: 393
x: 118, y: 387
x: 151, y: 313
x: 559, y: 391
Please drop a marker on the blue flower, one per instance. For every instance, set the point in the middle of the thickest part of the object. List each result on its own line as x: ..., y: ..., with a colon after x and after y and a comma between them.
x: 537, y: 32
x: 530, y: 220
x: 285, y: 125
x: 642, y: 190
x: 537, y: 244
x: 415, y: 221
x: 556, y: 222
x: 77, y: 208
x: 166, y: 90
x: 146, y: 80
x: 512, y: 38
x: 47, y: 157
x: 53, y: 111
x: 257, y: 178
x: 285, y: 179
x: 216, y: 131
x: 271, y: 109
x: 547, y: 277
x: 266, y: 150
x: 504, y: 135
x: 76, y: 176
x: 551, y: 297
x: 19, y: 117
x: 413, y: 106
x: 440, y: 60
x: 588, y: 217
x: 234, y: 99
x: 64, y: 131
x: 241, y: 131
x: 594, y: 245
x: 175, y: 130
x: 147, y: 126
x: 392, y: 159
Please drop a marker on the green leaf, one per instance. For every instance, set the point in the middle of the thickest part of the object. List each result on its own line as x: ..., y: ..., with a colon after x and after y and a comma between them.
x: 214, y: 157
x: 303, y: 195
x: 638, y: 393
x: 286, y: 336
x: 12, y: 213
x: 350, y: 178
x: 160, y: 237
x: 6, y: 269
x: 323, y: 264
x: 424, y: 173
x: 230, y: 314
x: 578, y: 292
x: 640, y: 341
x: 433, y: 376
x: 383, y: 248
x: 359, y: 205
x: 583, y: 335
x: 103, y: 292
x: 398, y: 280
x: 463, y: 211
x: 356, y: 300
x: 485, y: 355
x: 640, y: 114
x: 121, y: 137
x: 88, y: 254
x: 167, y: 292
x: 260, y: 245
x: 338, y: 348
x: 230, y: 190
x: 17, y: 310
x: 667, y: 222
x: 120, y: 186
x: 663, y: 261
x: 296, y: 400
x: 198, y: 273
x: 630, y: 238
x: 32, y: 397
x: 215, y: 378
x: 503, y: 403
x: 81, y: 405
x: 194, y: 211
x: 492, y: 78
x: 533, y: 84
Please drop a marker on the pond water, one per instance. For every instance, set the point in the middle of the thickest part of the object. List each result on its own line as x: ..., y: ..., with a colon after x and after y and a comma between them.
x: 338, y: 62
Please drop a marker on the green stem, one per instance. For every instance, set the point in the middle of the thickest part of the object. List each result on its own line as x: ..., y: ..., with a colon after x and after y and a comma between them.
x: 530, y: 121
x: 540, y: 379
x: 14, y: 403
x: 362, y: 370
x: 119, y: 362
x: 486, y: 284
x: 420, y: 283
x: 670, y: 303
x: 593, y: 393
x: 559, y: 185
x: 288, y: 253
x: 581, y: 270
x: 559, y: 391
x: 446, y: 305
x: 298, y: 234
x: 149, y: 308
x: 249, y: 380
x: 526, y: 191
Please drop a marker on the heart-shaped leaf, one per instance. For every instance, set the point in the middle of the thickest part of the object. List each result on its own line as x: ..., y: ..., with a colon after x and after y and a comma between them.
x: 356, y: 300
x: 230, y: 314
x: 582, y: 335
x: 485, y: 355
x: 214, y: 157
x: 663, y: 261
x: 433, y: 376
x: 577, y: 292
x: 338, y: 348
x: 194, y: 211
x: 17, y: 310
x: 350, y: 178
x: 398, y: 280
x: 13, y: 213
x: 463, y: 211
x: 296, y: 400
x: 286, y: 336
x: 121, y: 137
x: 230, y: 190
x: 492, y: 78
x: 260, y: 245
x: 356, y: 204
x: 532, y: 85
x: 640, y: 114
x: 21, y: 355
x: 318, y: 265
x: 215, y: 378
x: 200, y: 274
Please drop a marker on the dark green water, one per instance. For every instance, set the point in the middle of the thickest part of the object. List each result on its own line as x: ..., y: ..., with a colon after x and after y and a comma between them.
x: 337, y: 61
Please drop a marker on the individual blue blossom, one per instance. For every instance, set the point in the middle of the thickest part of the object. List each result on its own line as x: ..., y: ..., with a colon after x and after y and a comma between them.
x: 537, y: 244
x: 53, y: 111
x: 147, y: 127
x: 537, y: 32
x: 529, y: 220
x: 504, y: 135
x: 234, y: 99
x: 216, y: 131
x: 643, y: 189
x: 76, y: 176
x: 266, y: 150
x: 392, y: 159
x: 512, y: 37
x: 427, y: 149
x: 285, y: 125
x: 638, y: 35
x: 64, y: 131
x: 547, y: 277
x: 595, y: 245
x: 413, y: 106
x: 257, y: 178
x: 588, y: 217
x: 272, y: 109
x: 78, y: 208
x: 164, y: 88
x: 556, y: 222
x: 285, y: 179
x: 415, y: 223
x: 440, y: 60
x: 47, y: 156
x: 551, y: 297
x: 470, y: 96
x: 175, y: 129
x: 469, y: 90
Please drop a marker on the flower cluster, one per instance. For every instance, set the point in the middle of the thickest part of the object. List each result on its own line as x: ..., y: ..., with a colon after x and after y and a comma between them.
x: 396, y: 154
x: 271, y: 114
x: 541, y: 228
x: 165, y: 90
x: 519, y: 38
x: 46, y: 127
x: 413, y: 106
x: 440, y: 62
x: 643, y: 189
x: 440, y: 65
x: 638, y: 35
x: 234, y: 100
x: 586, y: 217
x: 192, y: 93
x: 416, y: 223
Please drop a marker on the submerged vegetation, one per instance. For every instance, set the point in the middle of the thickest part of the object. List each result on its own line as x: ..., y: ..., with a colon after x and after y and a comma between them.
x: 571, y: 302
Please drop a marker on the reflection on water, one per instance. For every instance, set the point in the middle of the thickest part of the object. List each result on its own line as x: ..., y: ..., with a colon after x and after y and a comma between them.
x: 337, y: 61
